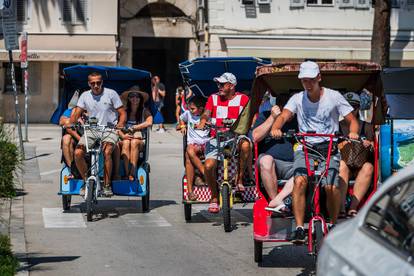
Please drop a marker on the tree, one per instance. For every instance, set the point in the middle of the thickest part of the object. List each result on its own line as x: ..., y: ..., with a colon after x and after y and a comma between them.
x: 381, y: 33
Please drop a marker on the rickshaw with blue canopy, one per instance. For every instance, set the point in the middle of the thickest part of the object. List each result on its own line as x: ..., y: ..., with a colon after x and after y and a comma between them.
x: 198, y: 75
x: 119, y: 79
x: 397, y: 134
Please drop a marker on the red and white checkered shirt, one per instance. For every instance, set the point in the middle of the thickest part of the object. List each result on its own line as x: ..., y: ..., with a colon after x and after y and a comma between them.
x: 221, y: 108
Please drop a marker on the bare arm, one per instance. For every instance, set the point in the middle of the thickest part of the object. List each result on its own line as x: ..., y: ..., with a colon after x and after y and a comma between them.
x: 74, y: 117
x: 161, y: 92
x: 353, y: 126
x: 260, y: 132
x: 204, y: 118
x: 280, y: 121
x: 122, y: 117
x: 147, y: 123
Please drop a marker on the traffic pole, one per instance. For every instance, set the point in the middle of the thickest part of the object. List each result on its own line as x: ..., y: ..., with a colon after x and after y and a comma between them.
x: 16, y: 103
x: 24, y: 66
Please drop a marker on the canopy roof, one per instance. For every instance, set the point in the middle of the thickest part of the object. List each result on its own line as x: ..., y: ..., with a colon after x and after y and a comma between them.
x: 198, y: 73
x: 116, y: 78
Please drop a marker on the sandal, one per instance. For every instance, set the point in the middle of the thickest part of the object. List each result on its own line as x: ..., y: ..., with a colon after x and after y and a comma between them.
x: 352, y: 213
x: 192, y: 196
x: 213, y: 208
x: 131, y: 178
x: 240, y: 188
x: 278, y: 209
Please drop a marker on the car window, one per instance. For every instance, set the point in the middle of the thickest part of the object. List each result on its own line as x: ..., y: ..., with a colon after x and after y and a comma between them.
x: 391, y: 218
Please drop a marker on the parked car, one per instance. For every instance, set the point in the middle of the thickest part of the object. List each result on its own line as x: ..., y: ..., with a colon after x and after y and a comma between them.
x: 380, y: 239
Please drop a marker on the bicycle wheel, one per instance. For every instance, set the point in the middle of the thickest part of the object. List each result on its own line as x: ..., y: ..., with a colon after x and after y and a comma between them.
x: 146, y: 199
x: 318, y: 237
x: 66, y: 199
x: 225, y: 197
x: 187, y: 212
x: 258, y: 251
x: 90, y: 188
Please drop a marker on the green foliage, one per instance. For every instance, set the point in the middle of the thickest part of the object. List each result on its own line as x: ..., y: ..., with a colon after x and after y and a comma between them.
x: 9, y: 162
x: 8, y: 262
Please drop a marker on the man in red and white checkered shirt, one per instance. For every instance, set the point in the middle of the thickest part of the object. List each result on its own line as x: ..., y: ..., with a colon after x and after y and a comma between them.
x: 226, y: 104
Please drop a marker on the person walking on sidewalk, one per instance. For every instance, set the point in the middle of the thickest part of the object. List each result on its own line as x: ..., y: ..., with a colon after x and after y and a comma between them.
x: 158, y: 95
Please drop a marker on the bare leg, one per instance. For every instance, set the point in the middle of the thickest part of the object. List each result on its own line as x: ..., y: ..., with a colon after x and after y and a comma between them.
x: 189, y: 171
x: 362, y: 183
x: 67, y: 148
x: 125, y: 155
x: 287, y: 190
x: 108, y: 149
x: 116, y: 156
x: 299, y: 199
x: 333, y: 195
x: 136, y: 145
x: 244, y: 149
x: 268, y: 175
x: 192, y: 155
x: 80, y: 161
x: 344, y: 173
x: 210, y: 173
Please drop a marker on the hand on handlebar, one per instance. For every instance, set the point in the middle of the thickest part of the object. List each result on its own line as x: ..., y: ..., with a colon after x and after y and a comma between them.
x: 276, y: 133
x: 353, y: 136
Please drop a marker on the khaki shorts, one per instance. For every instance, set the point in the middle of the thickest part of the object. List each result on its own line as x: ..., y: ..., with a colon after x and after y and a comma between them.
x: 107, y: 136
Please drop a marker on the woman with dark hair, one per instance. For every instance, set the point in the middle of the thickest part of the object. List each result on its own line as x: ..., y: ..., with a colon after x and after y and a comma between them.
x: 138, y: 119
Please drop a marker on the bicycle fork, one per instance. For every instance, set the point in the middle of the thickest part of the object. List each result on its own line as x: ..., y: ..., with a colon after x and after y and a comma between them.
x: 226, y: 182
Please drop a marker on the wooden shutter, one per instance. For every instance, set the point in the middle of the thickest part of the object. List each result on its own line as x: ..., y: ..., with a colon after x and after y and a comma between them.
x: 67, y: 11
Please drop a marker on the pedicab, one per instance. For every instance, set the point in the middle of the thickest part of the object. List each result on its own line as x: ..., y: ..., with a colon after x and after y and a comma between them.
x: 282, y: 79
x: 198, y: 75
x: 118, y: 79
x: 397, y: 134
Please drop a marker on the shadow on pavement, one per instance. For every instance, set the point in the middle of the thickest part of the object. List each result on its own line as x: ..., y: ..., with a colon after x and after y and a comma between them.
x: 37, y: 156
x: 288, y: 256
x: 35, y: 261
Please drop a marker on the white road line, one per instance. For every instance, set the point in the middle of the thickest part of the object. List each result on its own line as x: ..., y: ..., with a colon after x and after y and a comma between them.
x: 151, y: 219
x: 50, y: 172
x: 57, y: 218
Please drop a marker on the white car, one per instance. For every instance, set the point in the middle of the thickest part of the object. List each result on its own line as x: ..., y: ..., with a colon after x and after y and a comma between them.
x: 380, y: 239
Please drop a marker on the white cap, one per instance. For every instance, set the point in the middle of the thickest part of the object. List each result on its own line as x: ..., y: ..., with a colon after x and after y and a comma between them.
x: 226, y: 77
x: 352, y: 98
x: 308, y: 69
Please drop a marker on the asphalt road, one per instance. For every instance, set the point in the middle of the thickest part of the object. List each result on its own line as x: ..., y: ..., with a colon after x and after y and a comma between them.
x: 122, y: 241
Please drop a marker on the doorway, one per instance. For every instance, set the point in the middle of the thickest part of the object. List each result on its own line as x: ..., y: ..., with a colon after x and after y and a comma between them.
x: 161, y: 57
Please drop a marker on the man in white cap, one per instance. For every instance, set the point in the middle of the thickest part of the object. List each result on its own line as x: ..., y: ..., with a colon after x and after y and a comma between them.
x: 318, y: 110
x: 226, y: 104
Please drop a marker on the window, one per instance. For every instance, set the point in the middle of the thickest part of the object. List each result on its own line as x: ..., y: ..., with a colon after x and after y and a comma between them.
x: 75, y: 12
x: 34, y: 78
x: 319, y: 2
x: 391, y: 219
x: 21, y: 10
x: 18, y: 76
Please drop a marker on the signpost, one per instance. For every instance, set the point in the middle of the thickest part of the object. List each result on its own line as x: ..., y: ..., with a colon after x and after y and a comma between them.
x: 24, y: 66
x: 11, y: 42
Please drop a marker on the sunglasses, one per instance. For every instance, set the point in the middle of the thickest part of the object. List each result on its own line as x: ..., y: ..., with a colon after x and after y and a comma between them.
x: 219, y: 84
x: 133, y: 95
x: 95, y: 83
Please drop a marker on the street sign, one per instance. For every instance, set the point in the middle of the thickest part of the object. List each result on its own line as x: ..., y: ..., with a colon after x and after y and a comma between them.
x: 9, y: 22
x: 1, y: 4
x: 23, y: 51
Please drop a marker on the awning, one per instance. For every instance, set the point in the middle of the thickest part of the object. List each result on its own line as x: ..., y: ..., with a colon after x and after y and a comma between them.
x: 67, y: 48
x: 334, y: 49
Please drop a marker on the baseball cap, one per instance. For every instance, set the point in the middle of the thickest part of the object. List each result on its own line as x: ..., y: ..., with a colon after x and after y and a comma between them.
x: 226, y: 77
x: 352, y: 98
x: 308, y: 69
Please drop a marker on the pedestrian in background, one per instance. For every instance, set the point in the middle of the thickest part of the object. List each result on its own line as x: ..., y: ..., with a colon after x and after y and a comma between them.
x: 158, y: 95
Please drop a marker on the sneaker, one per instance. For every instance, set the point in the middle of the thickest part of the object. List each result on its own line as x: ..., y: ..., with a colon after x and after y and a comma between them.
x: 298, y: 236
x: 107, y: 191
x: 82, y: 191
x: 161, y: 130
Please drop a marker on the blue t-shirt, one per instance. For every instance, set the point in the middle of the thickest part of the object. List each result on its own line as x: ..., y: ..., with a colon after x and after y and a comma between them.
x: 67, y: 113
x: 280, y: 149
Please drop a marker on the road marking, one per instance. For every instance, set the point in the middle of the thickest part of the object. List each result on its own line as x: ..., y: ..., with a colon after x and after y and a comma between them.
x: 151, y: 219
x: 57, y: 218
x: 50, y: 172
